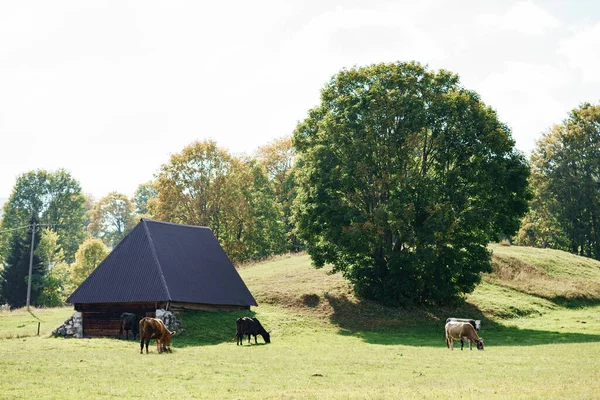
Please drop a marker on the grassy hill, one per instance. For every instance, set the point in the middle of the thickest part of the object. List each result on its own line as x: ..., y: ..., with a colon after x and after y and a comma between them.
x: 542, y: 338
x: 524, y: 281
x: 554, y: 275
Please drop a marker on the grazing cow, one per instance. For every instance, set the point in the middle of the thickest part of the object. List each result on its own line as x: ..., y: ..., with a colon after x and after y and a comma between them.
x: 129, y: 322
x: 250, y: 326
x: 154, y: 328
x: 475, y: 322
x: 462, y: 330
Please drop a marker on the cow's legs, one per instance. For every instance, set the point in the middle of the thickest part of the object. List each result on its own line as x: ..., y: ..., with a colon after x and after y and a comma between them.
x: 255, y: 341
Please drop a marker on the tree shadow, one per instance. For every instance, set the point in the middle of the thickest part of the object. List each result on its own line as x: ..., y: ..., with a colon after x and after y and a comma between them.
x: 575, y: 303
x: 378, y: 324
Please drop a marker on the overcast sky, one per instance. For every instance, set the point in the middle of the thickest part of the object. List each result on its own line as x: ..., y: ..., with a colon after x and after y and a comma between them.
x: 108, y: 90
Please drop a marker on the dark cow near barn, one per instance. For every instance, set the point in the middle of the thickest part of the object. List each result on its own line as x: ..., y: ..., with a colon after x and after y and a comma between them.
x: 129, y: 322
x: 154, y: 328
x: 250, y: 326
x: 462, y: 330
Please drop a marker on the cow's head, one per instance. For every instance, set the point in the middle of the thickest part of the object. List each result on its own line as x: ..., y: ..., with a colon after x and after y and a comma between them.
x: 166, y: 341
x: 267, y: 337
x: 479, y: 343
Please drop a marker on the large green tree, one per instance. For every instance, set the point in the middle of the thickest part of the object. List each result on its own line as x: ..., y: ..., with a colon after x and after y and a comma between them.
x: 404, y: 177
x: 111, y: 218
x: 55, y: 199
x: 566, y: 177
x: 15, y: 275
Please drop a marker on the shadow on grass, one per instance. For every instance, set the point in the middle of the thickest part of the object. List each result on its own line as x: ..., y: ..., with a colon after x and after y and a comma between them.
x: 378, y: 324
x: 574, y: 303
x: 205, y: 328
x: 34, y: 316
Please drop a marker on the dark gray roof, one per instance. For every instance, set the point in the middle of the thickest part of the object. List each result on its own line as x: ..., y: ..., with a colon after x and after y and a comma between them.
x: 160, y: 261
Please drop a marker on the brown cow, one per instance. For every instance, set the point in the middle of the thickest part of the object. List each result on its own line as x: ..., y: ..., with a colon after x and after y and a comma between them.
x: 459, y: 331
x: 154, y: 328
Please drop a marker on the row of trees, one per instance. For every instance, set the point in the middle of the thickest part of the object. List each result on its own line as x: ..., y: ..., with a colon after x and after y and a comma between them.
x: 565, y: 166
x: 399, y: 178
x: 245, y: 200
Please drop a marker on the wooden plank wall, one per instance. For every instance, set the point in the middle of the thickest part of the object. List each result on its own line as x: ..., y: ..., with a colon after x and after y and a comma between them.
x: 103, y: 320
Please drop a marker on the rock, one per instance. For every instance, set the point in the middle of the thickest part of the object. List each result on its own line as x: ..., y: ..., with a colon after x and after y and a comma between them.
x: 170, y: 320
x: 73, y: 327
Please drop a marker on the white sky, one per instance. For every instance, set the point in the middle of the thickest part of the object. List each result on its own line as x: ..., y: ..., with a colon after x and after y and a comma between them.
x: 109, y: 89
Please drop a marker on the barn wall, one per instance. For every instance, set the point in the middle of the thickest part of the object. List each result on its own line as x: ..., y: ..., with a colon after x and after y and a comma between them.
x: 103, y: 319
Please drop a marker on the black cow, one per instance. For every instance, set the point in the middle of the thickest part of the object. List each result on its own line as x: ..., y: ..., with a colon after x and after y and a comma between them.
x: 129, y: 322
x: 250, y: 326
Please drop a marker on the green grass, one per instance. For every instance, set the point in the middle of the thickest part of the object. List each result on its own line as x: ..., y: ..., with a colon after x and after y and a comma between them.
x: 325, y: 344
x: 22, y: 323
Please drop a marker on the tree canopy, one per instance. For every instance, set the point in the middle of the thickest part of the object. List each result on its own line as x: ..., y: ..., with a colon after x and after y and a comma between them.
x: 142, y: 196
x: 14, y: 277
x: 111, y: 218
x: 404, y: 177
x: 206, y: 186
x: 53, y: 198
x: 566, y: 177
x: 278, y: 158
x: 89, y: 255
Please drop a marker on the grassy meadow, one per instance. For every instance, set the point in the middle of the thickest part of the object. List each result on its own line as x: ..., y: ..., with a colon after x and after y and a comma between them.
x: 540, y: 313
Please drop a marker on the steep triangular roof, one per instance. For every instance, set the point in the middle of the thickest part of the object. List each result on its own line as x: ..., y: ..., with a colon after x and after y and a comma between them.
x: 160, y: 261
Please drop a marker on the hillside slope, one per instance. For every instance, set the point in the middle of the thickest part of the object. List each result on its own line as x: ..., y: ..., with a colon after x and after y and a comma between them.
x: 524, y: 282
x: 551, y: 274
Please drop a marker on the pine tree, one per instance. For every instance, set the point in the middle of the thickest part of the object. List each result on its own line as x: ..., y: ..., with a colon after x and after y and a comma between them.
x: 16, y: 270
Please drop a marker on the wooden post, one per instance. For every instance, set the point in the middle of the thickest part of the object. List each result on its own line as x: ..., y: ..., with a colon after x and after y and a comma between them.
x: 38, y: 329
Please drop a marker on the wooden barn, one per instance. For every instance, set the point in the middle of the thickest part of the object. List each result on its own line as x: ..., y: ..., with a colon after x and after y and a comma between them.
x: 159, y: 265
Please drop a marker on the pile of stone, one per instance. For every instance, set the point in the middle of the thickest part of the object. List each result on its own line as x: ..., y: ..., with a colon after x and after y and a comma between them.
x: 73, y: 327
x: 170, y: 320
